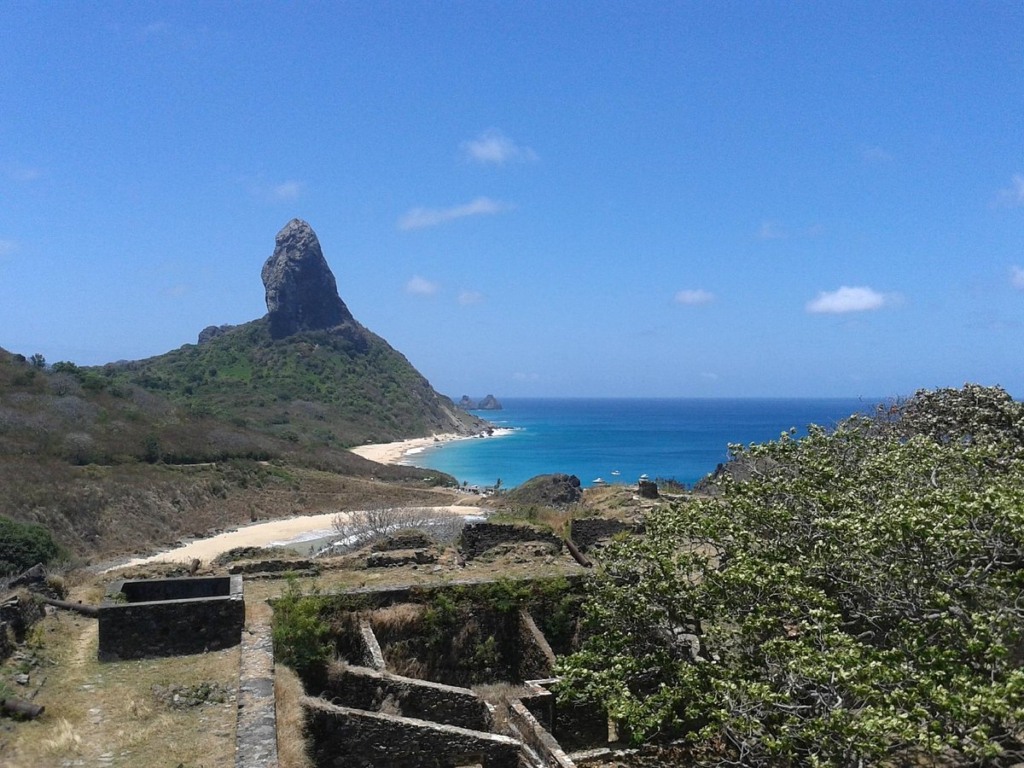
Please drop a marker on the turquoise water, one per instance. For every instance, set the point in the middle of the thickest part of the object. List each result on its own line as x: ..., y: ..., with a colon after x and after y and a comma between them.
x: 682, y: 439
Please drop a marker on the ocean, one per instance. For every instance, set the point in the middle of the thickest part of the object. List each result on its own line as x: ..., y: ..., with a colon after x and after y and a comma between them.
x: 618, y: 440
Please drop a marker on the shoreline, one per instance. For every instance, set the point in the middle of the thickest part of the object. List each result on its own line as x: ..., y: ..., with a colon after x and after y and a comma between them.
x: 401, y: 451
x: 266, y: 534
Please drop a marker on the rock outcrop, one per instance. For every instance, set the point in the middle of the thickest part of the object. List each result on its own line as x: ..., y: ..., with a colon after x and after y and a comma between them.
x: 556, y: 490
x: 302, y: 294
x: 489, y: 403
x: 211, y: 332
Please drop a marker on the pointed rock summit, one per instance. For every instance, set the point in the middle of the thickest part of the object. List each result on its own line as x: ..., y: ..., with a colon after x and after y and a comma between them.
x: 301, y: 292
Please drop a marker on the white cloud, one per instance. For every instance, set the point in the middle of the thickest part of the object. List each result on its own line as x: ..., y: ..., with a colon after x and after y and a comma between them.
x: 492, y: 147
x: 7, y: 247
x: 288, y: 190
x: 520, y: 376
x: 875, y: 155
x: 771, y: 230
x: 470, y: 297
x: 694, y: 296
x: 24, y: 173
x: 177, y: 291
x: 420, y: 286
x: 420, y: 218
x: 155, y: 28
x: 846, y: 299
x: 1014, y: 194
x: 270, y: 192
x: 1016, y: 277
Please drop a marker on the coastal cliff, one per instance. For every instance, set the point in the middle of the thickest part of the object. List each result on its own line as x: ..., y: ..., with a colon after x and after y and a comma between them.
x: 307, y: 371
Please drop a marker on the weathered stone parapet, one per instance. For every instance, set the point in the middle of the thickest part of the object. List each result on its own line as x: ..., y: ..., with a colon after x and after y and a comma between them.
x: 586, y: 532
x: 170, y: 617
x: 370, y: 598
x: 256, y: 729
x: 370, y: 689
x: 536, y: 658
x: 537, y: 738
x: 477, y: 538
x: 341, y: 737
x: 540, y: 701
x: 373, y: 656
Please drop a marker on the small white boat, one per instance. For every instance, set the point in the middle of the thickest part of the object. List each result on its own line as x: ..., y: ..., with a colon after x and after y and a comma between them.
x: 616, y: 472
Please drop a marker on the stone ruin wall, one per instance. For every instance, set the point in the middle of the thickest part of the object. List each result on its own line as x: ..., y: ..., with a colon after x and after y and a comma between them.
x: 170, y: 617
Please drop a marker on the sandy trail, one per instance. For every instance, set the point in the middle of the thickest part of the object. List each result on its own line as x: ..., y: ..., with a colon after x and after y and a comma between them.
x: 263, y: 535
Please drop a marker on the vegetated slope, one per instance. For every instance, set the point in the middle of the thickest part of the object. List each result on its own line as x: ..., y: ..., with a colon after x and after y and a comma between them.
x: 852, y: 597
x: 110, y: 467
x: 337, y: 387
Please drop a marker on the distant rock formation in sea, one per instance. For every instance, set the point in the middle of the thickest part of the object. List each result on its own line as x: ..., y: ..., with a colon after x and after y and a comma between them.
x: 302, y: 294
x: 489, y: 403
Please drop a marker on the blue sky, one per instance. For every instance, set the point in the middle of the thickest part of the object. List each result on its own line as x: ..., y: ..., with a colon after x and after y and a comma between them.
x: 532, y: 198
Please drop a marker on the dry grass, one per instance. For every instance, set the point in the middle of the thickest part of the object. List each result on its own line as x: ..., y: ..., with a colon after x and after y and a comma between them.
x: 291, y: 738
x: 107, y: 714
x: 400, y: 617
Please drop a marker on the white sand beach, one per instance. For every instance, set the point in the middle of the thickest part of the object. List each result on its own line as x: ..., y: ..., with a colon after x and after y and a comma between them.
x: 400, y: 451
x: 274, y: 532
x: 307, y: 527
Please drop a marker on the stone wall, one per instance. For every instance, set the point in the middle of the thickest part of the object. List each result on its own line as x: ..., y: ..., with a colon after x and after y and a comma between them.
x: 171, y: 626
x: 373, y: 657
x: 538, y: 739
x: 536, y: 659
x: 369, y: 689
x: 256, y: 727
x: 586, y: 532
x: 18, y: 613
x: 341, y: 737
x: 480, y: 537
x: 156, y: 590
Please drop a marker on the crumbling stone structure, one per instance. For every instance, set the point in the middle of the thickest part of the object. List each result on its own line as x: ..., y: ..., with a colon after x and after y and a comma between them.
x: 342, y: 736
x: 588, y: 532
x: 479, y: 537
x: 170, y: 617
x: 373, y: 690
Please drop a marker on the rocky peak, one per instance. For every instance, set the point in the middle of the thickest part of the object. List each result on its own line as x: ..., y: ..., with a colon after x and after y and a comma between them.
x: 301, y: 292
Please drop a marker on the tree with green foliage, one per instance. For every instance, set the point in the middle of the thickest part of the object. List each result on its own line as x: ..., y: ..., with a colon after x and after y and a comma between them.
x: 23, y: 545
x: 300, y: 634
x: 847, y: 598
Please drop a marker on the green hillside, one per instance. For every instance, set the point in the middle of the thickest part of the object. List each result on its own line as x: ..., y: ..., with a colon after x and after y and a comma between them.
x: 338, y: 388
x: 111, y: 466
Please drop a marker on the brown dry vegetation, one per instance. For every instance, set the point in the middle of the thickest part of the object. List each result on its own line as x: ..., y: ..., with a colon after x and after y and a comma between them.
x: 111, y: 468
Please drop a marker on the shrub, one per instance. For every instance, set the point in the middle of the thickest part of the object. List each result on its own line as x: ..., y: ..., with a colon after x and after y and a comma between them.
x: 366, y: 526
x: 22, y: 545
x: 301, y: 636
x: 851, y: 598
